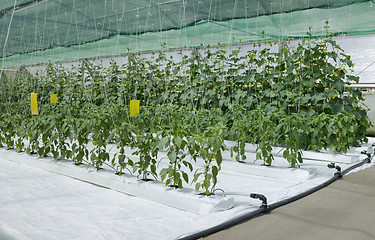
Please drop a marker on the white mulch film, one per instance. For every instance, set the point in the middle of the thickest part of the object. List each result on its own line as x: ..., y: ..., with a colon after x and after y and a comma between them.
x: 44, y: 199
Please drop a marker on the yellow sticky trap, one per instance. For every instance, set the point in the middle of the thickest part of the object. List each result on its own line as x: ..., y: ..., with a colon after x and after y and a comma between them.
x: 134, y: 107
x: 53, y: 98
x: 34, y: 104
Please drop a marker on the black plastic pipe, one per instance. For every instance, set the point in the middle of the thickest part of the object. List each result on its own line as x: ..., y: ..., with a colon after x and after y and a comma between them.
x: 303, y: 194
x: 230, y: 223
x: 262, y: 210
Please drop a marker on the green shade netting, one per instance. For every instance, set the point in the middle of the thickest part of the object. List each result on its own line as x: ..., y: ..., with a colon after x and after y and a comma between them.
x: 52, y: 31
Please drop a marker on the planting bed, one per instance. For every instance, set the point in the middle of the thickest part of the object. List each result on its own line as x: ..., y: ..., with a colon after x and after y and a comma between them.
x: 39, y: 203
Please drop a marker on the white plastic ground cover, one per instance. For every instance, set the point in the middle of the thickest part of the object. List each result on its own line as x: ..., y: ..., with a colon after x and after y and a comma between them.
x: 185, y: 199
x: 38, y: 204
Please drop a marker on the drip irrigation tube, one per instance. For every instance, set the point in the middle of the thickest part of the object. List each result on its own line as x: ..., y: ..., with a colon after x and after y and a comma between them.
x: 266, y: 209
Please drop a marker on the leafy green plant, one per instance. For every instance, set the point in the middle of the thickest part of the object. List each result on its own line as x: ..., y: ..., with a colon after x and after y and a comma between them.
x: 239, y: 130
x: 46, y: 129
x: 102, y: 127
x: 33, y: 134
x: 21, y: 136
x: 81, y: 131
x: 124, y: 137
x: 9, y: 130
x: 295, y: 129
x: 176, y: 145
x: 2, y: 135
x: 147, y: 150
x: 62, y: 138
x: 211, y: 145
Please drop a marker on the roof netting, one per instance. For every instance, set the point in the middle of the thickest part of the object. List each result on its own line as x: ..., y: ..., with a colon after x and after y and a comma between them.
x: 42, y: 31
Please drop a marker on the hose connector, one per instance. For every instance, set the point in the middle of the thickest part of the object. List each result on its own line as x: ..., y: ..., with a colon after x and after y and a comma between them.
x: 337, y: 167
x: 260, y: 197
x: 368, y: 159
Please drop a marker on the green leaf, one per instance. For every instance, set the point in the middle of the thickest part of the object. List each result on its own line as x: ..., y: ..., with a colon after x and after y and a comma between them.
x: 178, y: 142
x: 186, y: 177
x: 168, y: 182
x: 162, y: 143
x: 360, y: 113
x: 172, y: 155
x: 121, y: 158
x: 203, y: 152
x: 163, y: 173
x: 197, y: 187
x: 242, y: 145
x: 219, y: 158
x: 217, y: 144
x: 176, y: 177
x: 336, y: 106
x: 92, y: 157
x: 286, y: 154
x: 206, y: 182
x: 189, y: 165
x: 215, y: 171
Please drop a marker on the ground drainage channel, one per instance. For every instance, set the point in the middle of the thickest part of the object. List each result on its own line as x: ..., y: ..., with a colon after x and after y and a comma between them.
x: 264, y: 208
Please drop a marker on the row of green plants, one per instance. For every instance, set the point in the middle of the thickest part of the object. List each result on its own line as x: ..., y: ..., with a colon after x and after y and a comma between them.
x: 86, y: 140
x: 296, y: 97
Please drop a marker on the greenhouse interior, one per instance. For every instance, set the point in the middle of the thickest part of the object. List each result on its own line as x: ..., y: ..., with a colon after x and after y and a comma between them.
x: 178, y: 119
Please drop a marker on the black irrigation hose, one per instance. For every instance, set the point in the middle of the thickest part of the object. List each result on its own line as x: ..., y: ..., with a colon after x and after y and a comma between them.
x: 267, y: 209
x: 303, y: 194
x: 225, y: 225
x: 366, y: 160
x: 354, y: 166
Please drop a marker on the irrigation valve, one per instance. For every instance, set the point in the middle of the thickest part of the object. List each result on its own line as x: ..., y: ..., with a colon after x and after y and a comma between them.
x: 337, y: 167
x: 260, y: 197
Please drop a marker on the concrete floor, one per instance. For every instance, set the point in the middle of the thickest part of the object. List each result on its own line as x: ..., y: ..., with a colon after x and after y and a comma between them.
x: 344, y: 210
